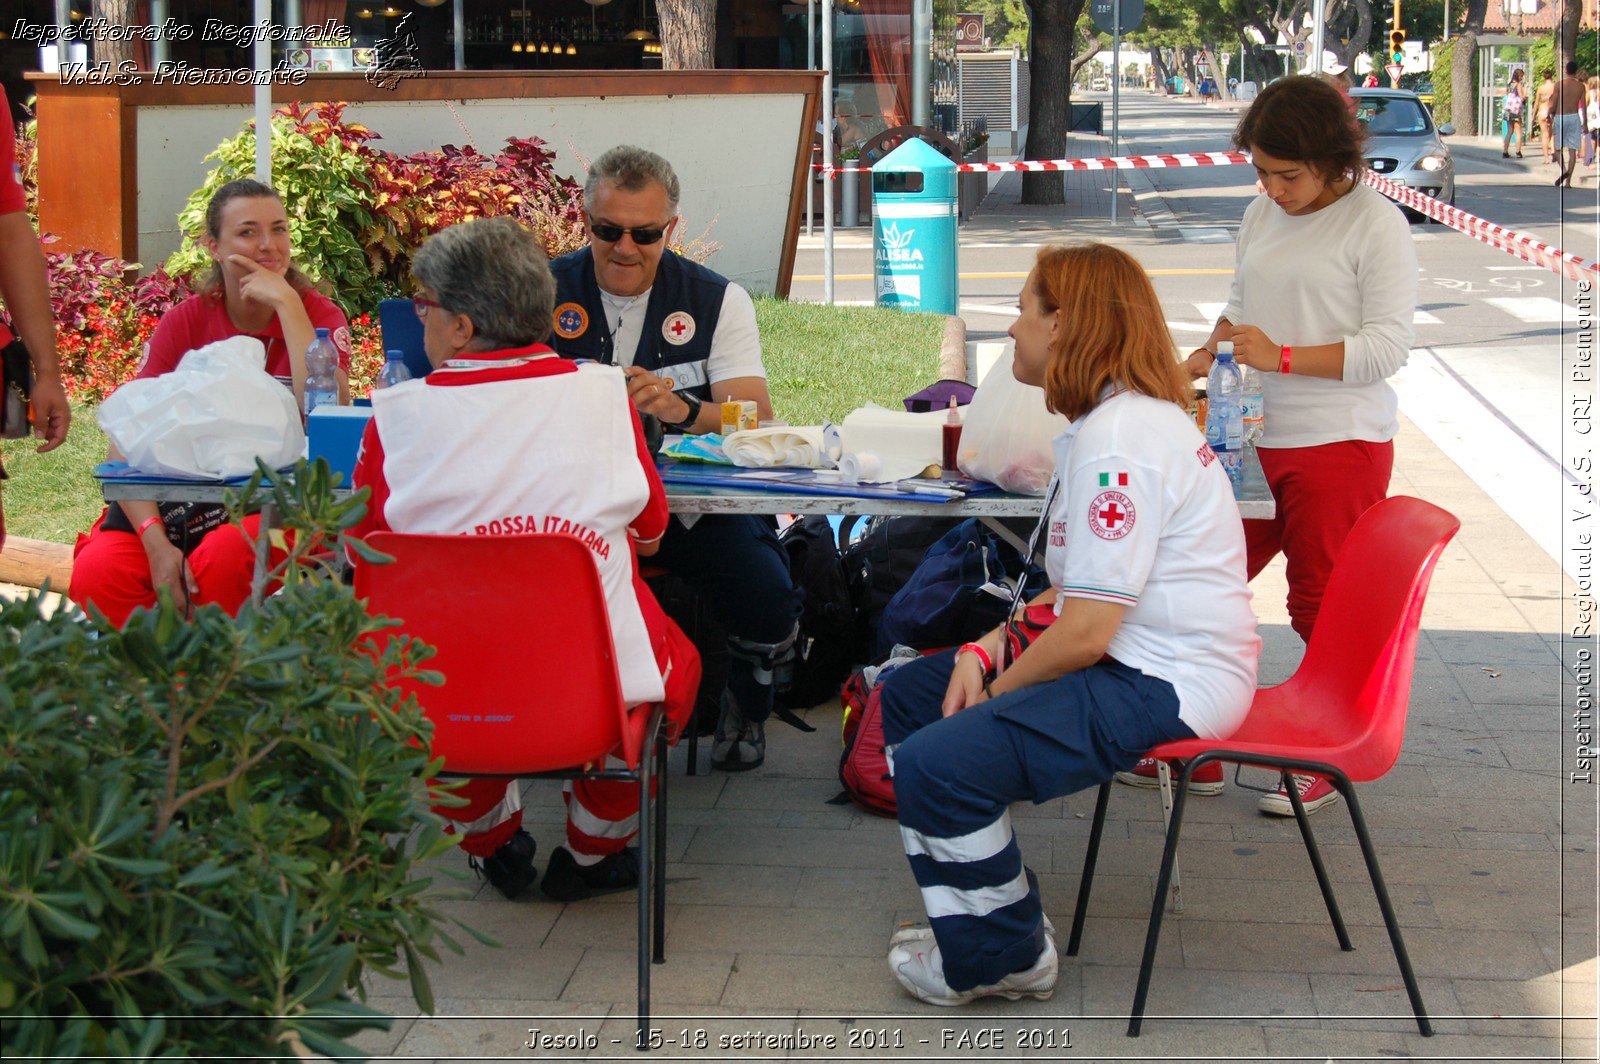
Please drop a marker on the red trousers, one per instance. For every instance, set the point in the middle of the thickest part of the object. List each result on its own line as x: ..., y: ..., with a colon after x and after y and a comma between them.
x: 1320, y: 492
x: 602, y: 815
x: 110, y: 569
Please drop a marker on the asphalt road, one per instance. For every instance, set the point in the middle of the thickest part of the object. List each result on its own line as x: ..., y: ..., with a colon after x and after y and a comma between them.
x: 1489, y: 379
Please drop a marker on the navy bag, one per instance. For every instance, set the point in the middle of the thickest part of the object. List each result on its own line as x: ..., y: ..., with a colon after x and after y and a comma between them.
x: 962, y: 588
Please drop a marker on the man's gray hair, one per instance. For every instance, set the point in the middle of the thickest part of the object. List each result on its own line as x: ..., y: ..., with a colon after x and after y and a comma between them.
x: 495, y: 272
x: 632, y: 170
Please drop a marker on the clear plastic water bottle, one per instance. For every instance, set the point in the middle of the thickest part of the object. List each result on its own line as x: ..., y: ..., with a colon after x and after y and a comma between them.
x: 393, y: 372
x: 322, y: 386
x: 1251, y: 403
x: 1225, y: 416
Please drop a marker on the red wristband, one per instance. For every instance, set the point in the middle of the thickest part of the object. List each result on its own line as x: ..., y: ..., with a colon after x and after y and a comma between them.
x: 1283, y: 359
x: 982, y: 655
x: 147, y: 522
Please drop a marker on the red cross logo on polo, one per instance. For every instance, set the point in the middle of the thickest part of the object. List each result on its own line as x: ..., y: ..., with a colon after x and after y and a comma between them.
x: 572, y: 321
x: 678, y: 329
x: 1111, y: 515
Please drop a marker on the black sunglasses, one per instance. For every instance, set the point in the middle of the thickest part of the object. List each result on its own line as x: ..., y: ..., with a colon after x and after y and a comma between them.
x: 613, y: 233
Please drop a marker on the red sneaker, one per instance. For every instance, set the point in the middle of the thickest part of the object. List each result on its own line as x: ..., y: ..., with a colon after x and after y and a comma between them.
x: 1207, y: 780
x: 1315, y: 792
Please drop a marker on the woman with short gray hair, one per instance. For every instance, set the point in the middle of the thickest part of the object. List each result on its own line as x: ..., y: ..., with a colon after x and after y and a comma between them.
x: 505, y: 437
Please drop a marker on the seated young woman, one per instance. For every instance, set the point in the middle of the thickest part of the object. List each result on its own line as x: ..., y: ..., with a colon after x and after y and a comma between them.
x: 504, y: 437
x: 1144, y: 636
x: 137, y: 548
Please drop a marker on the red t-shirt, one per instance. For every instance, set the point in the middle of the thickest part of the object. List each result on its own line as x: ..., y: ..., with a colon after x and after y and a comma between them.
x: 203, y: 319
x: 649, y: 526
x: 11, y: 197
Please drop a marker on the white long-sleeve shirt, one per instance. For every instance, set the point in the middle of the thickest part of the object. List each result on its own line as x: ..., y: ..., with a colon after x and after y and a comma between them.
x: 1347, y: 272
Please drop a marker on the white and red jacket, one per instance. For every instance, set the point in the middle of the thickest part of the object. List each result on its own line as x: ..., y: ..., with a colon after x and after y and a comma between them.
x: 523, y: 441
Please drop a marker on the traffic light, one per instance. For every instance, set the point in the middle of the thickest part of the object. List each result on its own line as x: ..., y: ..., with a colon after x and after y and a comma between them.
x: 1397, y: 38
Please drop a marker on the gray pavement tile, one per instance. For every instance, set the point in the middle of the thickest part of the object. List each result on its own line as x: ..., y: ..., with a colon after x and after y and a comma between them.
x: 1496, y: 648
x: 1300, y: 902
x: 690, y: 979
x: 1520, y: 685
x: 876, y: 889
x: 1185, y: 1036
x: 1268, y: 997
x: 793, y: 847
x: 1520, y: 1007
x: 1117, y: 940
x: 1486, y: 813
x: 1458, y: 781
x: 856, y: 985
x: 498, y: 1029
x: 1504, y: 840
x: 1313, y: 948
x: 1380, y: 1002
x: 757, y: 790
x: 715, y: 1032
x: 590, y: 924
x: 1467, y: 905
x: 746, y: 929
x: 1115, y: 896
x: 702, y: 884
x: 1479, y: 609
x: 1403, y: 1041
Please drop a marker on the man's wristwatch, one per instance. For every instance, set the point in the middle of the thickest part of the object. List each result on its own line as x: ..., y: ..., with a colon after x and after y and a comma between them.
x: 687, y: 424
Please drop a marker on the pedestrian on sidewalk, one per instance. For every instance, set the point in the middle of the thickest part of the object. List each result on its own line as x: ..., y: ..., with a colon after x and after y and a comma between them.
x: 1144, y: 637
x: 1541, y: 104
x: 1591, y: 116
x: 1323, y: 295
x: 1512, y: 106
x: 1566, y: 122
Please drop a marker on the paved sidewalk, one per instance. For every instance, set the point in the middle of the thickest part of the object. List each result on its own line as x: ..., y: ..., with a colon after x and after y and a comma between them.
x: 780, y: 903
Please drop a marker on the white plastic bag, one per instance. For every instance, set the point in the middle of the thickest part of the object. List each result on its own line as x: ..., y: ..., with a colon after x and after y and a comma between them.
x: 1005, y: 437
x: 213, y: 416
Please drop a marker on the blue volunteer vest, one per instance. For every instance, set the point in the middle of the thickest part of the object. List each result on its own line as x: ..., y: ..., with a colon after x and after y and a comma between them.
x: 685, y: 302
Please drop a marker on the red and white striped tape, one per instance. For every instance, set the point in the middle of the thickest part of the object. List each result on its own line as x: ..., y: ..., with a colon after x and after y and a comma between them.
x: 1499, y: 237
x: 1510, y: 241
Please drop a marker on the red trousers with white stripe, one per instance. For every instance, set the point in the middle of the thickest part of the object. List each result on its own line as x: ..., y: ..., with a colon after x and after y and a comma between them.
x: 1320, y: 493
x: 602, y: 815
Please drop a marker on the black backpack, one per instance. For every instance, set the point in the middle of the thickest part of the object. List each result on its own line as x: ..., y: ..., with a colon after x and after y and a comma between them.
x: 832, y: 639
x: 880, y: 562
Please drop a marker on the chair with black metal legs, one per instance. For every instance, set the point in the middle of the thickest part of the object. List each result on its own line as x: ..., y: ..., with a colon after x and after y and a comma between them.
x: 1341, y: 715
x: 531, y: 687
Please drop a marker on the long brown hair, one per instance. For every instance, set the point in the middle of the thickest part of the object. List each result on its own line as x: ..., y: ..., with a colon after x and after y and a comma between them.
x: 1305, y: 120
x: 1112, y: 331
x: 243, y: 188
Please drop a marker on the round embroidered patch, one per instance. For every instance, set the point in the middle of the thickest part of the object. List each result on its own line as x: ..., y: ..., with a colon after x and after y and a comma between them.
x: 341, y: 340
x: 572, y: 321
x: 1111, y: 515
x: 678, y: 329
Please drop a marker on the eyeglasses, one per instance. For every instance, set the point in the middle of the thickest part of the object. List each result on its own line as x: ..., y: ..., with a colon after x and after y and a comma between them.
x: 421, y: 305
x: 612, y: 233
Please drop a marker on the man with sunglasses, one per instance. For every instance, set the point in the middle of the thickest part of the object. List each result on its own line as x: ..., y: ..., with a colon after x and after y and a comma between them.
x: 687, y: 339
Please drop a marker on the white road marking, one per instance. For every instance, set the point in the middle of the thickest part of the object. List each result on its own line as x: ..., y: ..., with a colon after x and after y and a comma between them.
x: 1536, y: 310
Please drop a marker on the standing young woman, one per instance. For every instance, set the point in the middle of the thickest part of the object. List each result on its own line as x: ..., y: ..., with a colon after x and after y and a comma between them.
x: 137, y: 548
x: 1512, y: 106
x: 1324, y: 292
x: 1144, y: 636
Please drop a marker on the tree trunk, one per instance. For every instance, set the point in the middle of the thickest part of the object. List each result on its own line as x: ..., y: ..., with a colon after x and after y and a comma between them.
x: 1567, y: 35
x: 688, y: 33
x: 1050, y: 94
x: 116, y: 13
x: 1463, y: 100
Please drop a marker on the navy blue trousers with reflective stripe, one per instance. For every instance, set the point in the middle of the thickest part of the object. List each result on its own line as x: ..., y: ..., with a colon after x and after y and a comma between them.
x: 954, y: 779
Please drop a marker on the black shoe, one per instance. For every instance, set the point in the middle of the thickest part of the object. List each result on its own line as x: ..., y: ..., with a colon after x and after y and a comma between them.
x: 739, y: 745
x: 509, y: 869
x: 566, y: 880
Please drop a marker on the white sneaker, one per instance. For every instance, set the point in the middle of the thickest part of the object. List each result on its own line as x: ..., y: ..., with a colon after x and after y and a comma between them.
x: 922, y: 932
x: 920, y: 969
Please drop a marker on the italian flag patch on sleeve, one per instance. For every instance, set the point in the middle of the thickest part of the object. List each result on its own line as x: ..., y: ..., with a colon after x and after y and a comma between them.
x: 1113, y: 480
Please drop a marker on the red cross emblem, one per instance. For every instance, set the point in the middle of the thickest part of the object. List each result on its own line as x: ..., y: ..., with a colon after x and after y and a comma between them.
x: 678, y: 328
x: 1111, y: 515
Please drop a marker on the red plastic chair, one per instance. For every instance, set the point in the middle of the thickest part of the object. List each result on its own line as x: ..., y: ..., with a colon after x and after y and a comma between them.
x: 531, y: 686
x: 1341, y: 715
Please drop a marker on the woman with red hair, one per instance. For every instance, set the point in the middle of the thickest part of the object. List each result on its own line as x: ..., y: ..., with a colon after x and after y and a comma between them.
x: 1145, y: 635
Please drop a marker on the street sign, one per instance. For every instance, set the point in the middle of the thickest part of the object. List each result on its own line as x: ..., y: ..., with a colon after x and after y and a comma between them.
x: 969, y: 30
x: 1394, y: 72
x: 1132, y: 14
x: 1300, y: 46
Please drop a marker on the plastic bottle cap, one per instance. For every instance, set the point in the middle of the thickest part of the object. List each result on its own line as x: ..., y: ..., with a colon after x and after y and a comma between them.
x: 396, y: 356
x: 323, y: 334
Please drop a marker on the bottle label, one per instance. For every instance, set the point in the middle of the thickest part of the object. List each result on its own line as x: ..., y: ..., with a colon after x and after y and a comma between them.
x: 316, y: 399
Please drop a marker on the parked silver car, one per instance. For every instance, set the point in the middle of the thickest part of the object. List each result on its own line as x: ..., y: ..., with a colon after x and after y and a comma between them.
x: 1405, y: 145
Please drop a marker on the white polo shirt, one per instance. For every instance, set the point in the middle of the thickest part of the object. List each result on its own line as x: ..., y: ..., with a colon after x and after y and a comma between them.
x: 1145, y: 517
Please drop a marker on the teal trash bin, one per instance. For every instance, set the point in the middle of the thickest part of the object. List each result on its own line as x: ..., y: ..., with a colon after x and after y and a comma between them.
x: 915, y: 199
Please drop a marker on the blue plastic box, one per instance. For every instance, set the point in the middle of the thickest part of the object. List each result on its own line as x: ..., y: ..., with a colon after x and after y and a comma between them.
x: 334, y: 433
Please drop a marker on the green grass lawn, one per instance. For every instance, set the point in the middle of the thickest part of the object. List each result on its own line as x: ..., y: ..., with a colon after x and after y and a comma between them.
x: 52, y: 496
x: 822, y: 362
